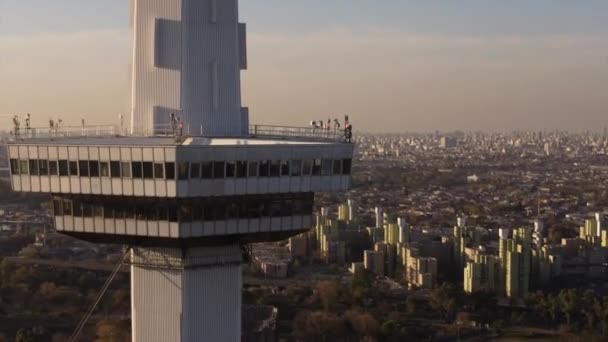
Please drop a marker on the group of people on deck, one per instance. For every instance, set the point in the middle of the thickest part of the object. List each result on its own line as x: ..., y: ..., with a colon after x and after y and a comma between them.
x: 348, y: 128
x: 177, y: 124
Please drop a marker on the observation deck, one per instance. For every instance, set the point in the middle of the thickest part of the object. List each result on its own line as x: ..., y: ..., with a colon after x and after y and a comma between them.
x: 110, y: 186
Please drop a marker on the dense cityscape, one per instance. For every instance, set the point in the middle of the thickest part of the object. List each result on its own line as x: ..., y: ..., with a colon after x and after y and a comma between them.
x: 453, y: 236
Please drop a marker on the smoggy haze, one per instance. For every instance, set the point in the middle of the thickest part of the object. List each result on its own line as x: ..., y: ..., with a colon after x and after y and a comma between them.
x: 392, y: 67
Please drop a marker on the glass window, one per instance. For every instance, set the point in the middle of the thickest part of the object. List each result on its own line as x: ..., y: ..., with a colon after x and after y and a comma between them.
x: 33, y: 167
x: 253, y: 169
x: 130, y: 213
x: 115, y: 169
x: 119, y: 211
x: 173, y: 212
x: 284, y: 168
x: 326, y: 167
x: 43, y: 167
x: 125, y: 169
x: 182, y: 170
x: 108, y: 211
x: 207, y: 170
x: 104, y: 169
x: 159, y: 171
x: 136, y: 167
x: 232, y: 211
x: 94, y: 168
x: 23, y: 167
x: 337, y: 167
x: 195, y: 170
x: 307, y: 168
x: 77, y: 208
x: 140, y: 212
x: 264, y: 169
x: 241, y: 169
x: 87, y: 210
x: 218, y: 170
x: 230, y: 169
x: 53, y: 168
x: 170, y: 170
x: 97, y: 210
x: 74, y: 169
x: 197, y: 211
x: 14, y: 166
x: 57, y: 206
x: 83, y: 166
x: 163, y: 213
x: 347, y: 165
x: 67, y: 208
x: 275, y: 168
x: 316, y: 167
x: 185, y: 214
x: 63, y: 168
x: 151, y: 213
x: 148, y: 168
x: 296, y: 168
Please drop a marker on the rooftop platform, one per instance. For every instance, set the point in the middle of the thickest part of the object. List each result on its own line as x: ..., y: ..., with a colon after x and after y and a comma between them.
x: 113, y: 136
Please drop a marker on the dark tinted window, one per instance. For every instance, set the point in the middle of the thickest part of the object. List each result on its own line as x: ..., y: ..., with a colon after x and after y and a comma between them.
x: 307, y: 168
x: 23, y: 167
x: 83, y: 165
x: 264, y: 169
x: 230, y: 169
x: 218, y: 170
x: 63, y: 168
x: 125, y: 169
x: 94, y: 168
x: 337, y: 167
x: 296, y: 168
x: 170, y: 170
x: 326, y: 167
x: 207, y: 170
x: 159, y: 171
x: 136, y: 167
x: 183, y: 169
x: 275, y: 168
x: 316, y: 167
x: 347, y: 165
x: 195, y: 170
x: 241, y: 169
x: 74, y: 167
x: 104, y: 169
x: 43, y: 167
x: 284, y: 168
x: 34, y: 167
x: 115, y: 169
x: 148, y: 170
x: 14, y: 166
x: 253, y: 169
x: 53, y: 168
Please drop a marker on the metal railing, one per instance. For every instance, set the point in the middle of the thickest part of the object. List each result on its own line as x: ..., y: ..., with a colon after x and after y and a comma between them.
x: 298, y: 133
x: 67, y: 131
x: 167, y: 130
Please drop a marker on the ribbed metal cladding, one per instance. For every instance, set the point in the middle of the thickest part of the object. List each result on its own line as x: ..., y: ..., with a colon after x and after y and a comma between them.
x: 186, y: 295
x: 153, y: 86
x: 211, y: 84
x: 205, y: 38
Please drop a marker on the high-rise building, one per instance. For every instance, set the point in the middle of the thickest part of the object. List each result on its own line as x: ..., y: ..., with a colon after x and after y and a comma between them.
x: 192, y: 183
x: 379, y: 217
x: 482, y: 273
x: 518, y: 252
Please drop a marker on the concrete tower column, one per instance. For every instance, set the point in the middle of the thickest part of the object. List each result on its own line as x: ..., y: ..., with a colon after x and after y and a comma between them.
x: 189, y: 294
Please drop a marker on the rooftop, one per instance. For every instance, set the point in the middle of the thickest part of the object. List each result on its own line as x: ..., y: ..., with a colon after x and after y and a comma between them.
x: 112, y: 135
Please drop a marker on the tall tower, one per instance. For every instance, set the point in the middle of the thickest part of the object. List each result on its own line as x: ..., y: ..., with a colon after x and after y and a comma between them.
x: 186, y: 204
x: 187, y: 59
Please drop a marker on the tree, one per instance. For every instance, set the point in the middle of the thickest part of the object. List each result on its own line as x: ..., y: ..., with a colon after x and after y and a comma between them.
x: 444, y: 300
x: 328, y: 293
x: 111, y: 331
x: 569, y: 304
x: 363, y: 324
x: 318, y: 326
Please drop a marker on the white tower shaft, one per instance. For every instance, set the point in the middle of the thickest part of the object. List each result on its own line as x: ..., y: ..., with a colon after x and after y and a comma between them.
x: 187, y: 60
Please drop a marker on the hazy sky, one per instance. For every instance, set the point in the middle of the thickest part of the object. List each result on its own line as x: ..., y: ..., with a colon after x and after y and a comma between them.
x: 393, y: 65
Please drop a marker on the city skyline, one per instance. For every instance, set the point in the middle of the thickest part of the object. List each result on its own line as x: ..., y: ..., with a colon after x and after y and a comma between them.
x: 391, y: 66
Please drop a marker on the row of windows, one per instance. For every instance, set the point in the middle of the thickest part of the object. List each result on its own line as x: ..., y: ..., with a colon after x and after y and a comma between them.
x: 188, y: 210
x: 184, y: 170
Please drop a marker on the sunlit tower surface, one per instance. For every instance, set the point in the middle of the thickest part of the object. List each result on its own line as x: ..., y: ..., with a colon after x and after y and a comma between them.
x: 186, y: 202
